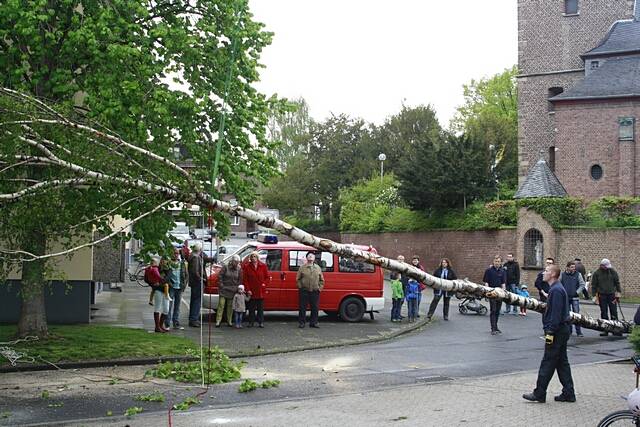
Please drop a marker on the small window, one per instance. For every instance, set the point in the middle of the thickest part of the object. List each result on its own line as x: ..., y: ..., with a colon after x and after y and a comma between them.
x: 552, y: 159
x: 626, y: 128
x: 271, y: 257
x: 570, y: 7
x: 235, y: 220
x: 595, y: 65
x: 596, y: 172
x: 533, y: 248
x: 349, y: 265
x: 298, y: 258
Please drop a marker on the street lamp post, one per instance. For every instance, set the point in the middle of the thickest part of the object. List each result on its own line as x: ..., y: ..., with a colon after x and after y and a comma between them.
x: 382, y: 157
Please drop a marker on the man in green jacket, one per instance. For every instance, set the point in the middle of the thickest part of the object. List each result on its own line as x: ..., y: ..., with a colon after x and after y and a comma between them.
x: 605, y: 286
x: 310, y: 282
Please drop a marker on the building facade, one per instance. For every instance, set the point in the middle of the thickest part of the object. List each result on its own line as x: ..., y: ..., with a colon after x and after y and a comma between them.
x: 552, y: 37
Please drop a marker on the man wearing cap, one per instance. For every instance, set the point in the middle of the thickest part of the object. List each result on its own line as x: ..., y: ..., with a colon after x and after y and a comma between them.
x: 605, y: 285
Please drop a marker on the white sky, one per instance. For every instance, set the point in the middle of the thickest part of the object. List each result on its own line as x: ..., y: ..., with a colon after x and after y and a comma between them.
x: 366, y: 57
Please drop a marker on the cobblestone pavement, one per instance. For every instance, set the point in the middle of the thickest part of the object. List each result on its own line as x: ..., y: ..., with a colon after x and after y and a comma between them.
x: 486, y: 401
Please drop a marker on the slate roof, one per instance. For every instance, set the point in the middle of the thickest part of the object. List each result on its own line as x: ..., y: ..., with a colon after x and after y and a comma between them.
x: 541, y: 182
x: 616, y: 78
x: 623, y: 37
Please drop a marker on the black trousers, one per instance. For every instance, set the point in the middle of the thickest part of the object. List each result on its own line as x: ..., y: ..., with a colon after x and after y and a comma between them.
x: 555, y: 359
x: 494, y: 313
x: 434, y: 305
x: 253, y: 306
x: 607, y: 303
x: 311, y: 298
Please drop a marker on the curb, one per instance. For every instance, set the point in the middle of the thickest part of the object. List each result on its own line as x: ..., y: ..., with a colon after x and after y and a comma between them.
x: 160, y: 359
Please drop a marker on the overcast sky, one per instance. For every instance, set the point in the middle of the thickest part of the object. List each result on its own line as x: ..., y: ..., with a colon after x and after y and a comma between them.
x: 367, y: 57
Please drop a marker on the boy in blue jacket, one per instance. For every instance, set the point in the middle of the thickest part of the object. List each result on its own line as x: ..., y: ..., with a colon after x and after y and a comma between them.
x: 413, y: 289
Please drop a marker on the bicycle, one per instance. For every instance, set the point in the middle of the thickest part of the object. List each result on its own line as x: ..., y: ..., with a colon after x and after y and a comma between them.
x: 631, y: 416
x: 138, y: 275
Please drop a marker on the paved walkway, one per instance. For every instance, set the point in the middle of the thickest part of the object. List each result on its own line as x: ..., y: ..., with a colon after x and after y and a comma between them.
x: 485, y: 401
x: 129, y: 308
x: 489, y: 401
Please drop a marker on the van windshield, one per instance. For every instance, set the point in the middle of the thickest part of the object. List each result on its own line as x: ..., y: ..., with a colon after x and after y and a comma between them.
x: 243, y: 252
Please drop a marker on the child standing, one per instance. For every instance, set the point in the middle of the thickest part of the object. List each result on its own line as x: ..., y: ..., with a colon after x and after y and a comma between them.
x: 397, y: 297
x: 239, y: 306
x: 413, y: 290
x: 523, y: 292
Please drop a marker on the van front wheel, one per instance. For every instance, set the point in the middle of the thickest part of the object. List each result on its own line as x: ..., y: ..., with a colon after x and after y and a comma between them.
x: 352, y: 309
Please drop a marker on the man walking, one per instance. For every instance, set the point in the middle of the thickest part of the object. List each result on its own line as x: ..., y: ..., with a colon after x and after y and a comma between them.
x: 573, y: 284
x: 555, y: 322
x: 495, y: 277
x: 605, y: 285
x: 541, y: 285
x: 512, y: 268
x: 310, y: 282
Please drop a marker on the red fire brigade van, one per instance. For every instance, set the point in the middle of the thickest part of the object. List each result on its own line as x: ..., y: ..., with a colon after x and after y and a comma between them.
x: 352, y: 288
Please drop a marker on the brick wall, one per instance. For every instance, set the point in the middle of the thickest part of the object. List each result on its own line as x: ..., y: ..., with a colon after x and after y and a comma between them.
x: 551, y: 43
x: 620, y: 246
x: 593, y: 127
x: 470, y: 252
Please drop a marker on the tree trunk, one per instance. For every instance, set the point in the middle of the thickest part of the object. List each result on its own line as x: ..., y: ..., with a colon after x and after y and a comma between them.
x: 462, y: 286
x: 33, y: 315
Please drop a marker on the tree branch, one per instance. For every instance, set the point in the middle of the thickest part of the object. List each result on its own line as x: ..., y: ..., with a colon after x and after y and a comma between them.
x: 33, y: 257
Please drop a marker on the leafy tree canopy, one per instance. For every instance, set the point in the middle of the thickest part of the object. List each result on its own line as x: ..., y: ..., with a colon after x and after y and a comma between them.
x: 154, y: 73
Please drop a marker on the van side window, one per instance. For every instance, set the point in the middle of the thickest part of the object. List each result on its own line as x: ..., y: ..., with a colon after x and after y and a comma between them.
x: 349, y: 265
x: 323, y: 259
x: 271, y: 257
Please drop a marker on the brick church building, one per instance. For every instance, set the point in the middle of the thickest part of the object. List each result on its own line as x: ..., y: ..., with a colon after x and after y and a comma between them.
x: 578, y: 104
x: 579, y: 93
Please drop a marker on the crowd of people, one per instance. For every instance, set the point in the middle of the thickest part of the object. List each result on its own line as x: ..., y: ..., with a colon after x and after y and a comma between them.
x: 242, y: 287
x: 603, y: 285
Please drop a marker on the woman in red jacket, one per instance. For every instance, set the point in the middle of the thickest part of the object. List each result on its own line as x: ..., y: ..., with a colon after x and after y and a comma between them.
x: 255, y: 276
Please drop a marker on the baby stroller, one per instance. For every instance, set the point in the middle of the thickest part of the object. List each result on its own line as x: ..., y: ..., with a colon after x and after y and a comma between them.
x: 470, y: 304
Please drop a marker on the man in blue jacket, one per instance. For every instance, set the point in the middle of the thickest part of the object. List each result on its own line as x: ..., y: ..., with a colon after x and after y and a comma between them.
x: 555, y: 322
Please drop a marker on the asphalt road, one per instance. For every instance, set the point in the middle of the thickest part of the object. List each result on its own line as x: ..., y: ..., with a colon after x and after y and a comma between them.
x: 460, y: 348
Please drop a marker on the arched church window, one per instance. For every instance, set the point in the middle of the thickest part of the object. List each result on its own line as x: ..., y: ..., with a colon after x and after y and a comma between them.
x: 533, y: 248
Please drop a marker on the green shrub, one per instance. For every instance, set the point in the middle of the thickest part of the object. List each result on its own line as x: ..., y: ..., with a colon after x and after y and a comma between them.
x: 557, y: 211
x: 404, y: 219
x: 614, y: 212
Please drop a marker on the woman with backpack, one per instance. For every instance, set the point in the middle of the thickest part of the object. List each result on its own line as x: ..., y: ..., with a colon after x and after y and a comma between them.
x: 155, y: 280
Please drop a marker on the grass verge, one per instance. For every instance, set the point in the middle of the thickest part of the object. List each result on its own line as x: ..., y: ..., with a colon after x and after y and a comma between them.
x: 72, y: 343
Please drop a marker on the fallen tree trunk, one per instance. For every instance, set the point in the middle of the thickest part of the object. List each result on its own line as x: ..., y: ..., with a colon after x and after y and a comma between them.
x: 462, y: 286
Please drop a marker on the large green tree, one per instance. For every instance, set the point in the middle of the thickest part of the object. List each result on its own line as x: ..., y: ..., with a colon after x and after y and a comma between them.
x: 157, y: 74
x: 335, y: 154
x: 490, y: 114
